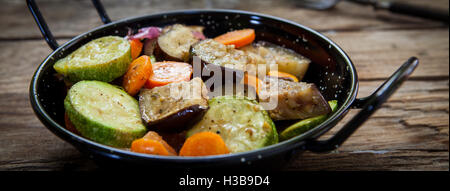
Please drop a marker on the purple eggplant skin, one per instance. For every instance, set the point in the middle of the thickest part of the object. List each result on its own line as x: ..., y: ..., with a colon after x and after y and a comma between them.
x: 207, y: 69
x: 163, y: 110
x: 182, y: 120
x: 161, y: 55
x: 296, y: 100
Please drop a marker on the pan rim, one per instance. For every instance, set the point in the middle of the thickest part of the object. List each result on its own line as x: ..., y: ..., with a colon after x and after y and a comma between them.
x: 295, y: 142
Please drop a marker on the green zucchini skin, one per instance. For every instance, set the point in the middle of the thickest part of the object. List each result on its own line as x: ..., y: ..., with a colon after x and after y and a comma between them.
x: 99, y: 129
x: 114, y: 65
x: 242, y: 123
x: 306, y: 124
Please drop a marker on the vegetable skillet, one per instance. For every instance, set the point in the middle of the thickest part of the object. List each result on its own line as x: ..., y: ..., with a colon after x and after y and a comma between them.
x: 329, y: 69
x: 173, y: 104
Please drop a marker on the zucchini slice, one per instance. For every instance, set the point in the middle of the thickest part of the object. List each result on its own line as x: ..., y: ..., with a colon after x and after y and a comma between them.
x: 174, y: 43
x: 242, y: 123
x: 104, y: 113
x: 102, y: 59
x: 174, y: 106
x: 306, y: 124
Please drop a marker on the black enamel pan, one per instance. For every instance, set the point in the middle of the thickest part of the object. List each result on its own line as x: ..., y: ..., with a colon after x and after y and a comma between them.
x: 331, y: 70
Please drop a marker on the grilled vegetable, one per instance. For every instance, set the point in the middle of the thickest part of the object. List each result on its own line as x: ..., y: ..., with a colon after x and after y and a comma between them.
x: 174, y: 106
x: 149, y: 46
x: 204, y: 144
x: 197, y: 31
x: 136, y: 48
x: 69, y: 125
x: 253, y: 81
x: 174, y: 43
x: 282, y: 75
x: 137, y: 75
x: 294, y: 100
x: 149, y: 146
x: 213, y: 52
x: 152, y: 143
x: 102, y: 59
x: 238, y: 38
x: 242, y: 123
x: 168, y: 72
x: 145, y: 33
x: 306, y: 124
x: 278, y: 58
x: 104, y: 113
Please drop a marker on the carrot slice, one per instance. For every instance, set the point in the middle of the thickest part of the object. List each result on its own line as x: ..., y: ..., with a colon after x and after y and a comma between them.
x: 152, y: 143
x: 239, y: 38
x: 253, y: 81
x: 203, y: 144
x: 148, y: 146
x: 168, y: 72
x: 136, y: 48
x: 138, y: 73
x: 283, y: 75
x: 155, y: 136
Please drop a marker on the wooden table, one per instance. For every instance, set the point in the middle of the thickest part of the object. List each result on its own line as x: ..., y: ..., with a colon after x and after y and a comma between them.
x: 410, y: 131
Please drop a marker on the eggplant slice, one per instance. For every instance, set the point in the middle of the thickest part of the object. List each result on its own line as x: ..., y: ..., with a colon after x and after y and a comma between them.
x: 215, y: 56
x: 218, y: 54
x: 277, y: 58
x: 175, y: 106
x: 293, y: 100
x: 175, y: 41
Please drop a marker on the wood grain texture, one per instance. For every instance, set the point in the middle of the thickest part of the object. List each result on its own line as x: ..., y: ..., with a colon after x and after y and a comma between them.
x: 409, y: 132
x: 75, y: 17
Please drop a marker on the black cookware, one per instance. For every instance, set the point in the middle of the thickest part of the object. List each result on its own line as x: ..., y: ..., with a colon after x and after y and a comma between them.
x: 331, y: 70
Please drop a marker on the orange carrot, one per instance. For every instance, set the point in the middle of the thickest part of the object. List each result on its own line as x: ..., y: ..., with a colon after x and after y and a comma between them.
x: 155, y: 136
x: 69, y: 124
x: 239, y: 38
x: 203, y: 144
x: 152, y: 143
x: 168, y: 72
x: 148, y: 146
x: 283, y: 75
x: 253, y: 81
x: 138, y: 73
x: 136, y: 48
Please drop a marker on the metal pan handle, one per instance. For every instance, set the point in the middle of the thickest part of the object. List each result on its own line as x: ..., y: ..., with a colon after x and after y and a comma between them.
x: 368, y: 106
x: 46, y: 33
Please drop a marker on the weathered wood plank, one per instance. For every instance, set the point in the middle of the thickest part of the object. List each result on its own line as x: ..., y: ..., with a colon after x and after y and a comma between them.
x: 376, y: 54
x: 409, y: 132
x: 414, y: 160
x: 71, y: 18
x: 26, y: 144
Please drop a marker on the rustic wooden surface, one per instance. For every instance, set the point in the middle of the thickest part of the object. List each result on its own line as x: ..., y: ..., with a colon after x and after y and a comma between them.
x: 409, y: 132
